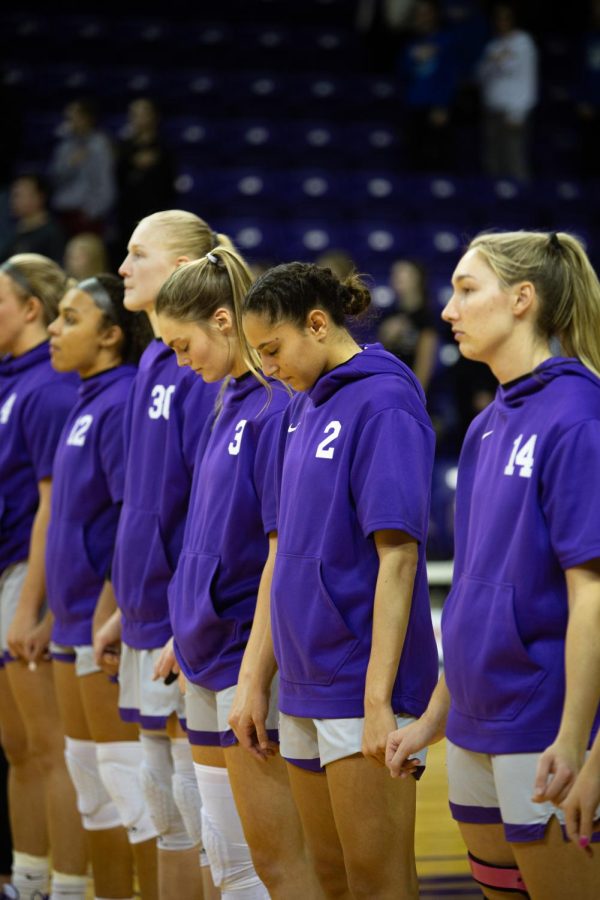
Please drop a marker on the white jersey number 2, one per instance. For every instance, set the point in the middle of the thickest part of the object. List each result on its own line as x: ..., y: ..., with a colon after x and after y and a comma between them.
x: 522, y: 457
x: 325, y: 450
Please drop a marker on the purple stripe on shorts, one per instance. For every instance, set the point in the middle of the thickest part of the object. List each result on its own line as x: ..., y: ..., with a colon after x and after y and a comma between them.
x: 311, y: 765
x: 152, y: 723
x: 204, y: 738
x: 63, y: 657
x: 478, y: 815
x: 8, y: 657
x: 524, y: 833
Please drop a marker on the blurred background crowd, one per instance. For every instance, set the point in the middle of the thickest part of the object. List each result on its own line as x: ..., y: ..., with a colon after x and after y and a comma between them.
x: 370, y: 134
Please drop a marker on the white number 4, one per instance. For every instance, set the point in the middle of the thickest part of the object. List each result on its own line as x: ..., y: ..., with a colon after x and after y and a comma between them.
x: 324, y: 451
x: 521, y: 457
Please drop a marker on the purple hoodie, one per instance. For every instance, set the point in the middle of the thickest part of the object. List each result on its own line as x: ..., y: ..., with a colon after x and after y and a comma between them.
x: 356, y: 456
x: 87, y: 492
x: 34, y: 403
x: 232, y: 510
x: 527, y: 508
x: 167, y: 409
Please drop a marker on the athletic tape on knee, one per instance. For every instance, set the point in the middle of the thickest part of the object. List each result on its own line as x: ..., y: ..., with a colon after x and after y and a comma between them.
x: 502, y: 878
x: 157, y: 783
x: 228, y: 853
x: 98, y: 812
x: 119, y: 764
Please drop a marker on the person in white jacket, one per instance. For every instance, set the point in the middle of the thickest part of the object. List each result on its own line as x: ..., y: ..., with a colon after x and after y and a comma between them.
x: 508, y: 79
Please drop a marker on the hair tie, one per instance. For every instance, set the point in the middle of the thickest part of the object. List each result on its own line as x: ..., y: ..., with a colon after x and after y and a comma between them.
x: 212, y: 258
x: 554, y: 241
x: 18, y: 277
x: 99, y: 294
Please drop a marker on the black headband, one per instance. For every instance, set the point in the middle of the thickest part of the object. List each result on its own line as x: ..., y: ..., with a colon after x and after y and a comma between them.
x: 18, y: 277
x: 99, y: 295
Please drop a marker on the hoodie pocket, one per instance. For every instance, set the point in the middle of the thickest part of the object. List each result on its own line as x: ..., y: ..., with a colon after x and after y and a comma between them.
x: 312, y: 641
x: 72, y: 583
x: 202, y: 635
x: 489, y: 673
x: 141, y: 571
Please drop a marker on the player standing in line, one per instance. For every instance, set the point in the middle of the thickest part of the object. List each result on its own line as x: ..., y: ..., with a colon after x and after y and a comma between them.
x: 230, y: 540
x: 34, y: 403
x: 166, y: 412
x: 520, y: 625
x: 350, y: 617
x: 95, y: 336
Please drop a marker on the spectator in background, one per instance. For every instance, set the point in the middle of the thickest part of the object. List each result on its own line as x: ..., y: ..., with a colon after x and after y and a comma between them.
x: 35, y: 228
x: 507, y: 74
x: 82, y: 171
x: 145, y: 168
x: 85, y: 256
x: 588, y: 95
x: 408, y: 330
x: 429, y: 70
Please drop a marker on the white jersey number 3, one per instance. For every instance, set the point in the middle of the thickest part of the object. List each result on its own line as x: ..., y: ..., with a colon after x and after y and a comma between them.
x: 521, y: 456
x: 324, y: 450
x: 236, y: 443
x: 161, y: 401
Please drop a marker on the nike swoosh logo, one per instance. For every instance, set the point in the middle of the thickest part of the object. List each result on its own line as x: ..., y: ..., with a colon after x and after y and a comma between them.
x: 293, y: 427
x: 486, y: 434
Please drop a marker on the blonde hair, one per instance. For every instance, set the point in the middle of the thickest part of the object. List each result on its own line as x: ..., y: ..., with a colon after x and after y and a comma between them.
x: 565, y: 281
x: 195, y: 290
x: 186, y: 234
x: 95, y: 249
x: 45, y: 280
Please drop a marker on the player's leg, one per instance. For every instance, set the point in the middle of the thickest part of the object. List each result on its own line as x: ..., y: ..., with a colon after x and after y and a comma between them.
x: 262, y: 791
x: 475, y: 805
x: 374, y: 814
x: 551, y: 866
x: 106, y: 836
x: 231, y: 865
x: 36, y: 699
x: 308, y: 782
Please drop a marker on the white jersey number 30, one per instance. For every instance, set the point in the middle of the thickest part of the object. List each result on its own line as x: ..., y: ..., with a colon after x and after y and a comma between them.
x: 325, y: 450
x: 161, y: 401
x: 521, y: 456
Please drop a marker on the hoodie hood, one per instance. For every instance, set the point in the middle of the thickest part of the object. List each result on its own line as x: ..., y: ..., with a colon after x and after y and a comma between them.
x: 14, y: 365
x: 372, y: 360
x: 515, y: 393
x: 91, y: 387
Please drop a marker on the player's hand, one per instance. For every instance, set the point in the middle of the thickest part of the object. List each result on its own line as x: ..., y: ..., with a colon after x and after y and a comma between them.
x: 248, y: 719
x: 166, y: 665
x: 379, y: 721
x: 23, y: 625
x: 404, y: 743
x: 581, y: 804
x: 556, y: 771
x: 107, y: 645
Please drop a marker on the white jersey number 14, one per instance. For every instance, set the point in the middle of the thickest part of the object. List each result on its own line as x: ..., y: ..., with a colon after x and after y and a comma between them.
x: 522, y: 457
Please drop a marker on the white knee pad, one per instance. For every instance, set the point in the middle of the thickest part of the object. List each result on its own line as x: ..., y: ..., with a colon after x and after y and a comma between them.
x: 157, y: 783
x: 98, y: 812
x: 119, y: 763
x: 185, y: 788
x: 228, y: 853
